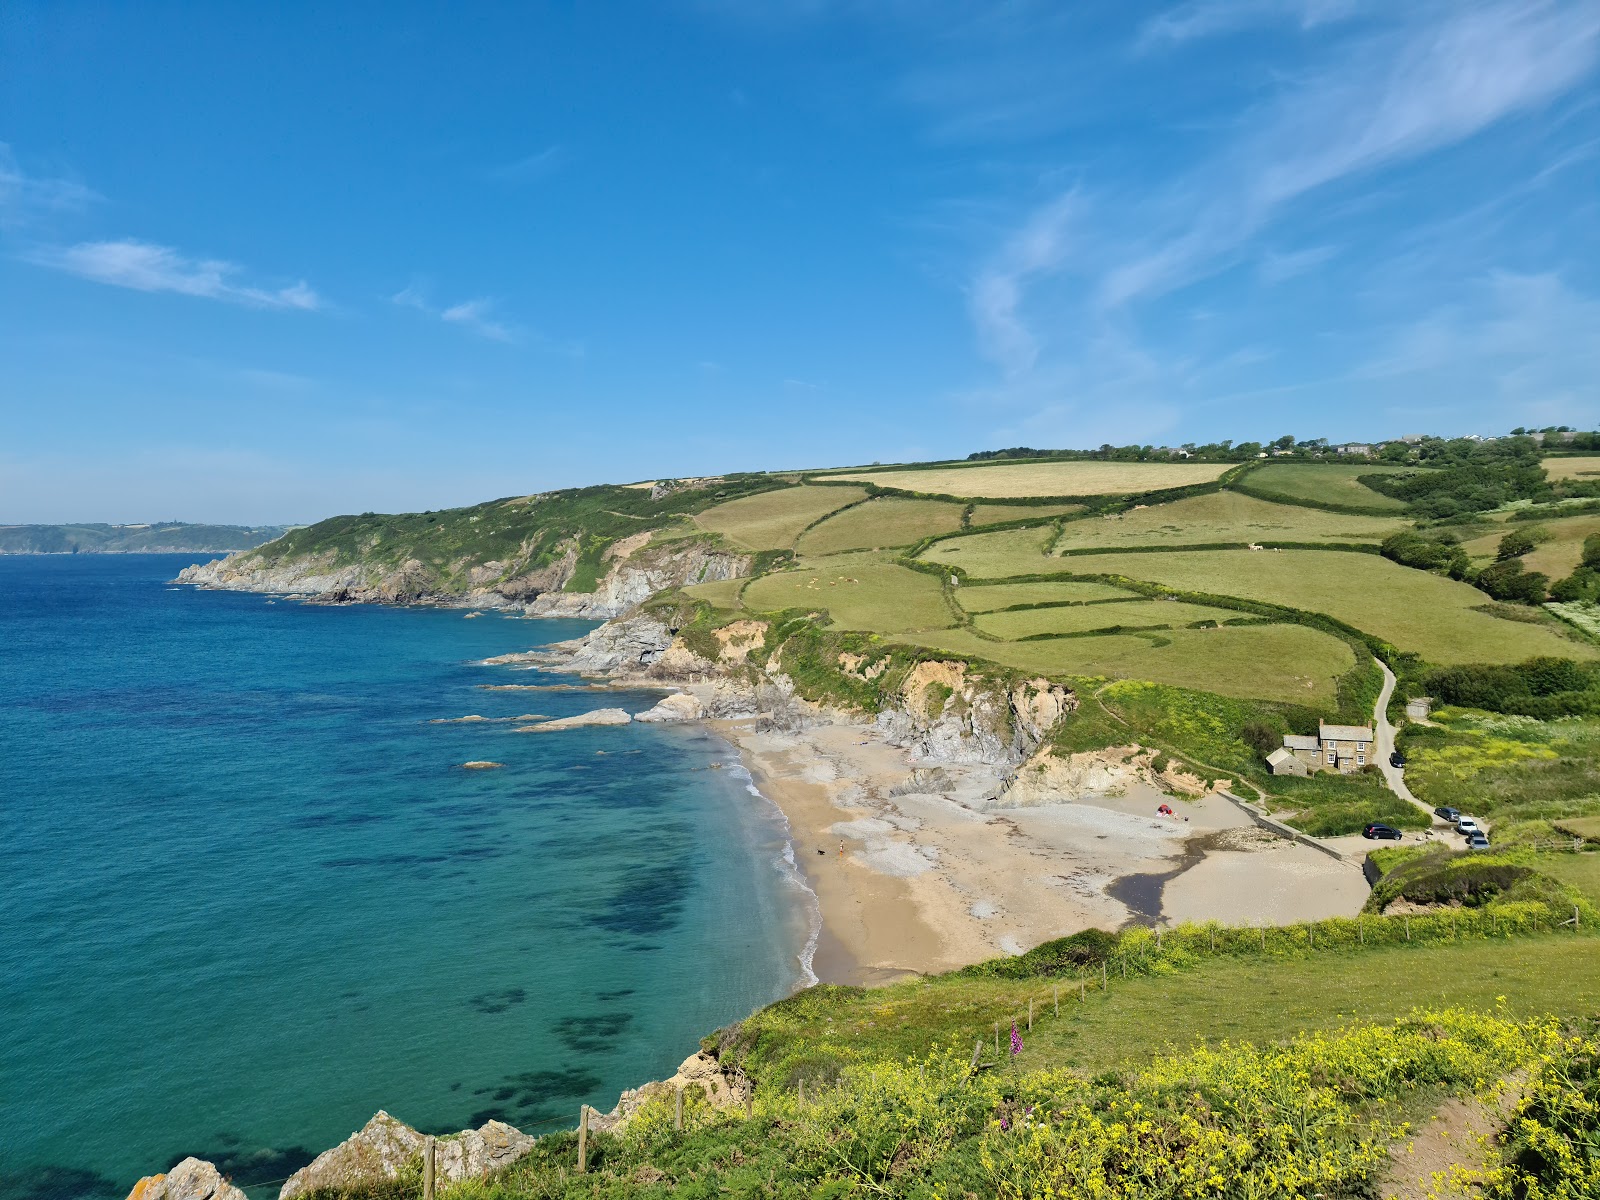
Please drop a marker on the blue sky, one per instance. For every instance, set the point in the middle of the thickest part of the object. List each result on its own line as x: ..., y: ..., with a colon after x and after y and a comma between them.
x: 274, y: 262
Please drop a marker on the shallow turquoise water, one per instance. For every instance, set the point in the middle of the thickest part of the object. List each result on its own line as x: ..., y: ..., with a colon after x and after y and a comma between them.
x: 250, y: 896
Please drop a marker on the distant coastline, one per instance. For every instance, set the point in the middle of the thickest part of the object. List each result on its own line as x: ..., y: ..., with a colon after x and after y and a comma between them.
x: 162, y: 537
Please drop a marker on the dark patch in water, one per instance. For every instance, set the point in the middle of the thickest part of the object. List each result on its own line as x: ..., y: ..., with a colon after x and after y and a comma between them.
x: 497, y: 1002
x: 247, y: 1167
x: 591, y: 1035
x: 53, y: 1182
x: 617, y: 995
x: 530, y: 1089
x: 324, y: 820
x: 649, y: 901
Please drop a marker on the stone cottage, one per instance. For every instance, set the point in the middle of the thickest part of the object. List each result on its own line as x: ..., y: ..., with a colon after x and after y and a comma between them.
x: 1342, y: 748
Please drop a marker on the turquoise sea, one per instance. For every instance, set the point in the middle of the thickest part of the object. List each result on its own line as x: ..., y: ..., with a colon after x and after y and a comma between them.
x: 250, y: 896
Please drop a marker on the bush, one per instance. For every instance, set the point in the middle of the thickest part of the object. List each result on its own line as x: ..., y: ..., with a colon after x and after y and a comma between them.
x: 1427, y: 552
x: 1582, y: 584
x: 1539, y: 687
x: 1519, y: 542
x: 1591, y: 551
x: 1261, y: 737
x: 1508, y: 581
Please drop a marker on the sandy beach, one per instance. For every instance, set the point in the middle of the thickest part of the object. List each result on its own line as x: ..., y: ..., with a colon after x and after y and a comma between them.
x: 917, y: 869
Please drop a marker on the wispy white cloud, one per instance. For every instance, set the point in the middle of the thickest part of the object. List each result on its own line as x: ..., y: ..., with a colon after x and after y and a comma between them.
x: 1211, y: 18
x: 24, y: 197
x: 147, y: 267
x: 473, y: 315
x: 995, y: 299
x: 531, y: 166
x: 1279, y: 268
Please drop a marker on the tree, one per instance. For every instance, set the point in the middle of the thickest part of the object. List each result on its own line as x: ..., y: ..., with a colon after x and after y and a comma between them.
x: 1507, y: 581
x: 1515, y: 544
x: 1591, y: 551
x: 1261, y: 737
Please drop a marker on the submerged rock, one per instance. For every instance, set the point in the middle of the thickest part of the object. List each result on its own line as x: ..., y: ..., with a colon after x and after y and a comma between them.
x: 481, y: 765
x: 192, y: 1179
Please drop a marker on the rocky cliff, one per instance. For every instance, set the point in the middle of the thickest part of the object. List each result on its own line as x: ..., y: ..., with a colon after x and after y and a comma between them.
x: 634, y: 569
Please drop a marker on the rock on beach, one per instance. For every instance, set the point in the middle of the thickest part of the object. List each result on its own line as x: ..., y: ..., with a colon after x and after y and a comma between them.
x: 680, y: 706
x: 598, y: 716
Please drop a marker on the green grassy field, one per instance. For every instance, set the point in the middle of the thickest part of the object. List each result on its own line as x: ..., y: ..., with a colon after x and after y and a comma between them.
x: 1329, y: 483
x: 1577, y: 467
x: 1582, y: 871
x: 1029, y: 478
x: 721, y: 593
x: 989, y: 597
x: 1584, y: 827
x: 1556, y: 558
x: 1076, y: 619
x: 994, y: 514
x: 887, y: 521
x: 859, y: 591
x: 1289, y: 663
x: 997, y: 555
x: 1221, y: 517
x: 772, y: 520
x: 1506, y: 768
x: 1427, y: 614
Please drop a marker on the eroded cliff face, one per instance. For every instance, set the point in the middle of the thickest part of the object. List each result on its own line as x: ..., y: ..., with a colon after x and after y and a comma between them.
x: 636, y: 568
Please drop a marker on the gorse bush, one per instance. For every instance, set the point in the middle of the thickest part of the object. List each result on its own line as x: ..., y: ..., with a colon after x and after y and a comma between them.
x: 1552, y: 1149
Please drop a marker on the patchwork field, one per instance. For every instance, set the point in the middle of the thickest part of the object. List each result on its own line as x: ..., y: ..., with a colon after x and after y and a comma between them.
x: 1222, y: 517
x: 722, y: 593
x: 1579, y: 467
x: 1012, y: 480
x: 1032, y: 622
x: 998, y: 555
x: 994, y: 514
x: 1266, y: 662
x: 1556, y: 557
x: 1328, y: 483
x: 859, y: 592
x: 772, y: 520
x: 990, y: 597
x: 1427, y: 614
x: 886, y: 521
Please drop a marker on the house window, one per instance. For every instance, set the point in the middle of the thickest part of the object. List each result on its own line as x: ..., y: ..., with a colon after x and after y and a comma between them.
x: 1360, y: 758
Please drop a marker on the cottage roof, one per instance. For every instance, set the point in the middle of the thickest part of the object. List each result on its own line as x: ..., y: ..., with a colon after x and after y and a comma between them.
x: 1344, y: 733
x: 1300, y: 741
x: 1280, y: 756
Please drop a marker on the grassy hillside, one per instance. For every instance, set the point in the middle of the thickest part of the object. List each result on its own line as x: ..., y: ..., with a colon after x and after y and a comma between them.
x: 1324, y: 483
x: 1012, y: 480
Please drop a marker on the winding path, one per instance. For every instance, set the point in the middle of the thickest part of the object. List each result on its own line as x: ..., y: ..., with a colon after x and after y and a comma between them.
x: 1383, y: 733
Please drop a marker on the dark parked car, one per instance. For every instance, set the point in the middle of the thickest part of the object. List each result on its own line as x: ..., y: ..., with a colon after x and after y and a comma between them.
x: 1449, y: 814
x: 1397, y: 759
x: 1478, y: 841
x: 1383, y: 833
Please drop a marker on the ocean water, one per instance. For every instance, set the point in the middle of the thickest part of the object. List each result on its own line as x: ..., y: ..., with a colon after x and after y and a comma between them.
x: 248, y: 896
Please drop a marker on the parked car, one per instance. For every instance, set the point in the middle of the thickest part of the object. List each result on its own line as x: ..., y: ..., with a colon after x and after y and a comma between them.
x: 1466, y: 826
x: 1397, y: 759
x: 1477, y: 841
x: 1449, y: 814
x: 1381, y: 832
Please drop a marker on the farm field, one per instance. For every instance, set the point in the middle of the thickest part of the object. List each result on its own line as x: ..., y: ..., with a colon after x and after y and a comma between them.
x: 886, y: 521
x: 1418, y: 612
x: 994, y: 514
x: 998, y: 555
x: 1014, y: 480
x: 721, y: 593
x: 1556, y: 558
x: 1328, y: 483
x: 859, y: 591
x: 1579, y: 467
x: 1260, y: 662
x: 1582, y: 871
x: 1032, y: 622
x: 1222, y: 517
x: 772, y: 520
x: 989, y: 597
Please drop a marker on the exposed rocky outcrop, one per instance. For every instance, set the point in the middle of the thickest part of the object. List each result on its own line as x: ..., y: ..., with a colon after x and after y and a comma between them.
x: 949, y: 714
x: 700, y: 1073
x: 680, y: 706
x: 598, y: 716
x: 1052, y: 778
x: 616, y: 648
x: 192, y: 1179
x: 384, y: 1147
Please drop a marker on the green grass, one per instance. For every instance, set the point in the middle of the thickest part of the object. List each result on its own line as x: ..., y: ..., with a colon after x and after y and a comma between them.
x: 1556, y: 558
x: 1581, y: 871
x: 1587, y: 828
x: 1009, y: 481
x: 719, y: 593
x: 995, y: 514
x: 772, y: 520
x: 887, y: 521
x: 1331, y: 805
x: 859, y: 591
x: 1418, y: 612
x: 1506, y: 768
x: 991, y: 597
x: 1331, y: 483
x: 1221, y: 517
x: 997, y: 555
x: 1288, y: 663
x: 1078, y: 618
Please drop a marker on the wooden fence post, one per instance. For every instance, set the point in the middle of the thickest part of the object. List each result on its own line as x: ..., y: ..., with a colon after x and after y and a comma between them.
x: 677, y: 1111
x: 427, y: 1167
x: 997, y: 1038
x: 583, y: 1138
x: 1030, y: 1007
x: 1058, y: 999
x: 800, y: 1091
x: 977, y: 1053
x: 749, y: 1101
x: 1103, y: 985
x: 1361, y: 933
x: 1407, y: 920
